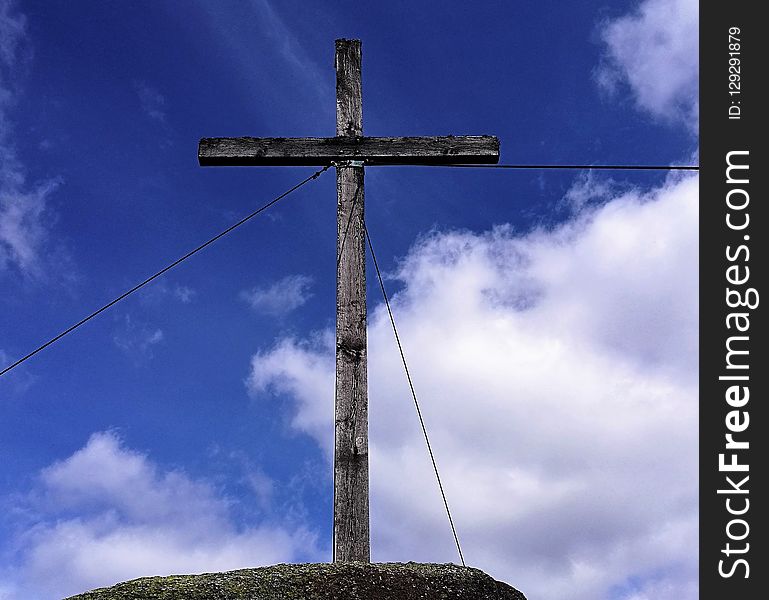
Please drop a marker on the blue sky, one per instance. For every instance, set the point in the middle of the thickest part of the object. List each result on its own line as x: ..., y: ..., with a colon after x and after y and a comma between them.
x: 550, y: 318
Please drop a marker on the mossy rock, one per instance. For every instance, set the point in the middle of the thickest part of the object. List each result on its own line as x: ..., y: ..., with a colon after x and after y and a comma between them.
x: 335, y: 581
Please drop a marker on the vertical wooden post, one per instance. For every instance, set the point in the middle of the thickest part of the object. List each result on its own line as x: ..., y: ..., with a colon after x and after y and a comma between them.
x: 351, y: 509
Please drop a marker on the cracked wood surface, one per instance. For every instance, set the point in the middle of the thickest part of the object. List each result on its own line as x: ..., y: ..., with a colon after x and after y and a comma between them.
x: 450, y: 149
x: 351, y: 508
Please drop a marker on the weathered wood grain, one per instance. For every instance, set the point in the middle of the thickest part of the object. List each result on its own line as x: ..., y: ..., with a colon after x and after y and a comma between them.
x: 351, y: 508
x: 253, y: 151
x: 349, y: 88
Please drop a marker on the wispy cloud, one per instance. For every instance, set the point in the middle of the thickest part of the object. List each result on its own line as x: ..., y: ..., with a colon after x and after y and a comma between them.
x: 277, y: 48
x: 153, y: 103
x: 25, y: 217
x: 558, y: 375
x: 290, y: 46
x: 654, y: 51
x: 14, y: 383
x: 184, y: 294
x: 589, y: 189
x: 281, y: 297
x: 136, y: 339
x: 108, y: 513
x: 24, y: 226
x: 262, y: 487
x: 163, y: 290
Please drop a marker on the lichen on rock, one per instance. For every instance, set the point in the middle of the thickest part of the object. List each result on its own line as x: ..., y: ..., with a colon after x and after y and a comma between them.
x: 323, y: 581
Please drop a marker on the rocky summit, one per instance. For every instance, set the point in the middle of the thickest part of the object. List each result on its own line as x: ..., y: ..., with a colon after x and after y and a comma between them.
x: 326, y: 581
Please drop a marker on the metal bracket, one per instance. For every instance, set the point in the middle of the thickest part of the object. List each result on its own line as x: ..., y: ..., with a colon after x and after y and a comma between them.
x: 348, y: 163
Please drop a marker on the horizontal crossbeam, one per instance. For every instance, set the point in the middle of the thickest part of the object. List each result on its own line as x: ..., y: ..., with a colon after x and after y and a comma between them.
x: 479, y: 149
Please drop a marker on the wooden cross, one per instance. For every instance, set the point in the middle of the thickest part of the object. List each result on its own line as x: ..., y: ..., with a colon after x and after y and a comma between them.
x: 349, y: 151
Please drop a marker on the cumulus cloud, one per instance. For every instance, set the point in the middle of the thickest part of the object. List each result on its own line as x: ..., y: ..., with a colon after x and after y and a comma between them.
x: 281, y: 297
x: 304, y: 370
x: 24, y: 213
x: 557, y: 371
x: 108, y: 513
x: 654, y: 50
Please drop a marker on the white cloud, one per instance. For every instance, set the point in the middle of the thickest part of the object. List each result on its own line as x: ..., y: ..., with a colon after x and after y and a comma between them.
x: 304, y: 370
x: 589, y: 189
x: 24, y: 213
x: 557, y: 372
x: 281, y: 297
x: 655, y: 51
x: 107, y: 514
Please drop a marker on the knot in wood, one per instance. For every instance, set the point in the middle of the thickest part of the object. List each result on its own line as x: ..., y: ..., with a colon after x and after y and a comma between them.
x: 353, y: 351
